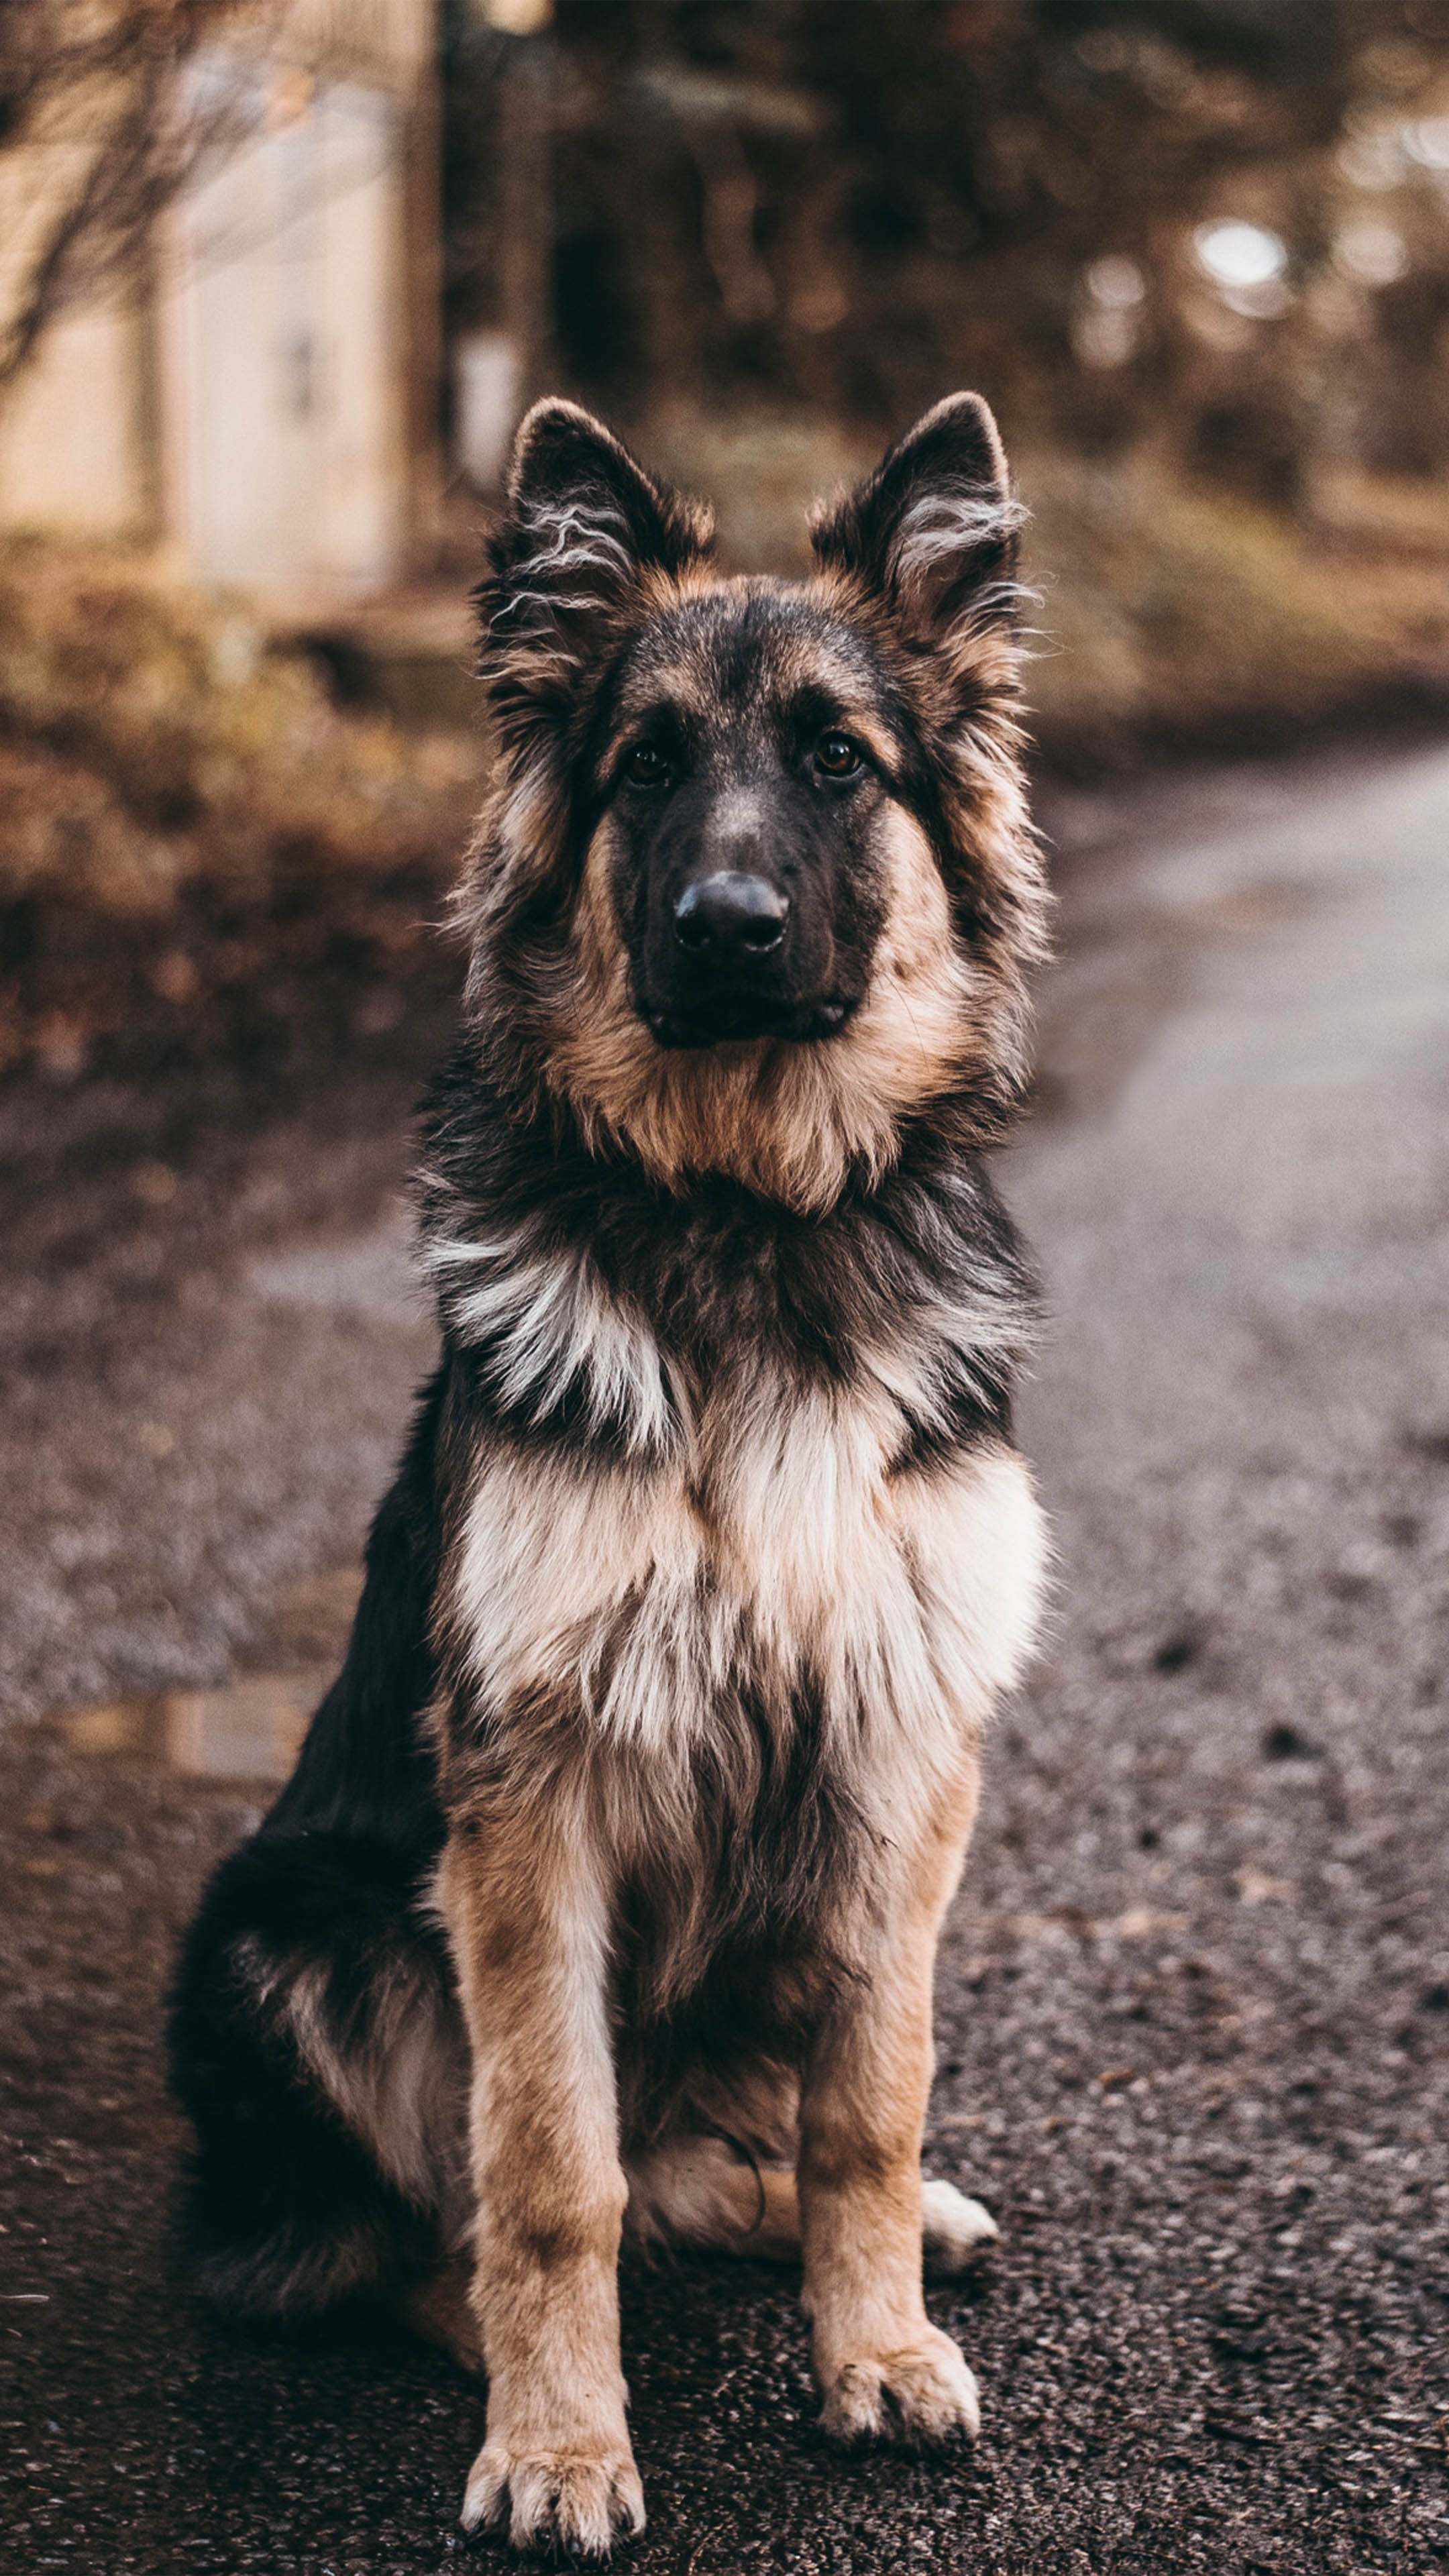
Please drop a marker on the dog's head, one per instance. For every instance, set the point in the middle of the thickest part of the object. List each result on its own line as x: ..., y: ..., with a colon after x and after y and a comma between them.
x: 756, y: 883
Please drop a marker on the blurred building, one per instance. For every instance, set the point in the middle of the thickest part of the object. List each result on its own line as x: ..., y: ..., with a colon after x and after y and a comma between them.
x: 264, y: 399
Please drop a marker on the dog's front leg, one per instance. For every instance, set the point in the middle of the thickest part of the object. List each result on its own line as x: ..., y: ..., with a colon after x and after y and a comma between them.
x: 883, y: 2368
x: 528, y: 1921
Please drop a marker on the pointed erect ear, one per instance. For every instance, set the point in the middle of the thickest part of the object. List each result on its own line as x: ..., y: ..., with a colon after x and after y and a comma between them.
x: 932, y: 532
x: 583, y: 525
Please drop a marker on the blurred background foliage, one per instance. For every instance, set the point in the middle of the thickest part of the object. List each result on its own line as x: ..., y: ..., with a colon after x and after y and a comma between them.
x: 199, y: 846
x: 845, y: 204
x: 1195, y: 252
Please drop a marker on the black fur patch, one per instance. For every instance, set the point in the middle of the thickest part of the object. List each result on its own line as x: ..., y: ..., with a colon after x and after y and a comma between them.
x: 720, y: 1277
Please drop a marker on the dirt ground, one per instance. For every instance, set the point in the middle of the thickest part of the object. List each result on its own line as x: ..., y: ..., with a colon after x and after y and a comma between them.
x: 1194, y: 2004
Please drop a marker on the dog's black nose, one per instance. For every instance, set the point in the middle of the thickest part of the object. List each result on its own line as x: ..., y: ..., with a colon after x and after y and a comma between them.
x: 731, y: 917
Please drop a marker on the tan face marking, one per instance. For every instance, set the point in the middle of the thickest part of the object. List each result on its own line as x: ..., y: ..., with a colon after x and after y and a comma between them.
x: 787, y: 1120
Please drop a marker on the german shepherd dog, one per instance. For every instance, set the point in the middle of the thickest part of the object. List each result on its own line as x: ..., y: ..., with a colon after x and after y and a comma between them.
x: 605, y: 1894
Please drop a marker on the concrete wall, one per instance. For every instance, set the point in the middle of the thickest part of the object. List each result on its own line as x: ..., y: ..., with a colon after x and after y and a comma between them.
x: 281, y: 318
x: 264, y: 412
x: 73, y: 439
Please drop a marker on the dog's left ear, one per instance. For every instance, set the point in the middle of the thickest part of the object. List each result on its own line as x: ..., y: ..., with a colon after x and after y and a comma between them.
x: 932, y: 532
x: 583, y: 528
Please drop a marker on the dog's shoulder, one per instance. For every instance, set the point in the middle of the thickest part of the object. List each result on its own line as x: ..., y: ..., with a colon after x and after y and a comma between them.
x: 592, y: 1306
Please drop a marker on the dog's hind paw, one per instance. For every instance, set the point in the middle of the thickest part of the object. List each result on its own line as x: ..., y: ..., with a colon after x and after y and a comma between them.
x: 567, y: 2504
x: 922, y: 2395
x: 955, y: 2231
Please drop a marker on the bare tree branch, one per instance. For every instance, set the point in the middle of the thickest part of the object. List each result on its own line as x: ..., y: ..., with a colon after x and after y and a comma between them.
x: 100, y: 127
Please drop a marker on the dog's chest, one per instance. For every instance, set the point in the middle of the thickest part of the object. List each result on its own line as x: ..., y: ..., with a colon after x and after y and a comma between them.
x: 775, y: 1552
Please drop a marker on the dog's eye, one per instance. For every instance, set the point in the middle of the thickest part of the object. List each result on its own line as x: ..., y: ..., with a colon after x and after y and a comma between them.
x: 645, y: 767
x: 836, y: 754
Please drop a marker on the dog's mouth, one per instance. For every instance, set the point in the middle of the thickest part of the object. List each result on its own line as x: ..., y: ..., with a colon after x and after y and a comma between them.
x: 735, y: 1019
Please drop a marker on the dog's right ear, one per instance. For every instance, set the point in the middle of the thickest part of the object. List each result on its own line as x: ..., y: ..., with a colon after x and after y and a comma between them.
x: 583, y: 529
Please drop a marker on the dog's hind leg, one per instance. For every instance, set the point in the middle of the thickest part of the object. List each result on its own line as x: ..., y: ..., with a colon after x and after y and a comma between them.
x: 318, y: 2050
x: 699, y: 2191
x: 440, y: 2309
x: 955, y: 2230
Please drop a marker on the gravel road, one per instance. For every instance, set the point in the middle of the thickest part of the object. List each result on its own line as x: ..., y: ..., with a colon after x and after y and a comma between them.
x: 1194, y: 2003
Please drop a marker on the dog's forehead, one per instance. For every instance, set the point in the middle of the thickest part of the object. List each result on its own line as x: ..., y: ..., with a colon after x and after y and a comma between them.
x: 737, y: 656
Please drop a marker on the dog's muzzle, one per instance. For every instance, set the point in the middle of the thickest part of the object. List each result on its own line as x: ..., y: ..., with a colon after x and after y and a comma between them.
x: 740, y: 946
x: 731, y: 918
x: 735, y: 971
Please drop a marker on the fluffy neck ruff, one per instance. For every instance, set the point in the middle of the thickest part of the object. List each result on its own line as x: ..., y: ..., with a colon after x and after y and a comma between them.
x: 554, y: 1021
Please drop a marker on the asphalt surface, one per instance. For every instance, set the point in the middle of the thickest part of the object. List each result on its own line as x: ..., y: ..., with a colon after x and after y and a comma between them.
x: 1194, y: 2003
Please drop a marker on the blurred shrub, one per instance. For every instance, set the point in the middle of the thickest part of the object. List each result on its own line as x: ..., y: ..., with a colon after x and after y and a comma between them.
x: 1175, y: 614
x: 188, y: 815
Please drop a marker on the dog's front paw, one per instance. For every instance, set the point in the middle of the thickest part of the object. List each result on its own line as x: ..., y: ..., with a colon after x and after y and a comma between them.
x: 572, y: 2504
x: 922, y: 2394
x: 954, y: 2230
